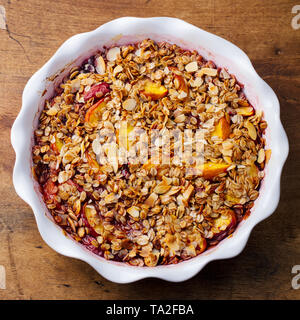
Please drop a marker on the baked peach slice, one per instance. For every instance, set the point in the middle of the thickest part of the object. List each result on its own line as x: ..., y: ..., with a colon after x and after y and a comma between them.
x: 94, y: 165
x: 180, y: 83
x: 50, y: 190
x: 149, y: 164
x: 201, y: 246
x: 252, y: 171
x: 232, y: 199
x: 224, y: 225
x: 161, y: 169
x: 97, y: 91
x: 74, y: 184
x: 243, y: 103
x: 57, y: 145
x: 154, y: 90
x: 222, y: 129
x: 211, y: 169
x: 94, y: 113
x: 245, y: 111
x: 123, y: 135
x: 93, y: 219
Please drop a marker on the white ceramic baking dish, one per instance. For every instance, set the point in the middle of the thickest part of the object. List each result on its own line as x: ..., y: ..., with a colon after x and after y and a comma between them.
x: 124, y: 31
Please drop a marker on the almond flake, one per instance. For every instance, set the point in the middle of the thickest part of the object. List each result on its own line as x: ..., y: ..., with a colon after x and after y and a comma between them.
x: 134, y: 211
x: 129, y: 104
x: 161, y: 188
x: 151, y: 199
x: 182, y: 95
x: 251, y: 130
x: 197, y: 82
x: 96, y: 146
x: 113, y: 54
x: 117, y: 69
x: 52, y: 111
x: 191, y: 67
x: 111, y: 152
x: 187, y: 193
x: 208, y: 71
x: 100, y: 65
x: 142, y: 240
x: 261, y: 156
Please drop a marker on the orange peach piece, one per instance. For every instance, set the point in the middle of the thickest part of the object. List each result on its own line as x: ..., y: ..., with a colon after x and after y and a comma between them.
x: 123, y: 135
x: 93, y: 219
x: 57, y: 145
x: 225, y: 223
x: 211, y: 169
x: 232, y: 199
x: 268, y: 155
x: 50, y: 190
x: 245, y: 111
x: 202, y: 245
x: 243, y: 103
x: 179, y: 81
x: 252, y: 170
x: 161, y: 169
x: 154, y: 91
x: 222, y: 129
x: 94, y: 113
x: 150, y: 163
x: 94, y: 165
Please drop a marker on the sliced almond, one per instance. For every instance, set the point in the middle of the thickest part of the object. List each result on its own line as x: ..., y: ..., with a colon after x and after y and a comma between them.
x: 151, y: 199
x: 173, y: 190
x: 191, y: 67
x: 52, y: 111
x: 96, y: 146
x: 129, y: 104
x: 167, y: 180
x: 261, y: 156
x: 251, y: 130
x: 208, y: 71
x: 100, y: 65
x: 180, y: 118
x: 111, y: 152
x: 213, y: 90
x: 134, y: 211
x: 77, y: 206
x: 113, y: 54
x: 142, y: 240
x: 63, y: 176
x: 182, y: 95
x: 110, y: 198
x: 162, y: 188
x: 165, y: 198
x: 117, y: 69
x: 138, y: 52
x: 81, y: 232
x: 197, y: 82
x: 187, y: 193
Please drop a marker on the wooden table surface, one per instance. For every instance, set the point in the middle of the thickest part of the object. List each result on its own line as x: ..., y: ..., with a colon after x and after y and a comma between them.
x: 30, y: 33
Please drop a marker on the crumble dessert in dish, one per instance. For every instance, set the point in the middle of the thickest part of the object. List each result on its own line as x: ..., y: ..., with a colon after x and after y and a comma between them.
x: 149, y: 154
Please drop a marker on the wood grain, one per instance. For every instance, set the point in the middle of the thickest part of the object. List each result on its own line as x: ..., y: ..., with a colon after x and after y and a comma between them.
x: 33, y: 32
